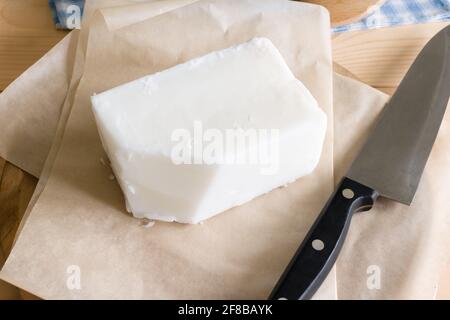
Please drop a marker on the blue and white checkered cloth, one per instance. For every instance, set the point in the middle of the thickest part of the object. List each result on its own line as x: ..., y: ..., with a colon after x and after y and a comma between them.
x: 391, y: 13
x: 66, y: 13
x: 401, y: 12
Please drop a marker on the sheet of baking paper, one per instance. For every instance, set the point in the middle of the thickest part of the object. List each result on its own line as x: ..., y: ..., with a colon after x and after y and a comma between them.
x: 122, y: 16
x: 115, y: 17
x: 30, y: 108
x: 172, y: 260
x: 393, y: 251
x: 366, y: 100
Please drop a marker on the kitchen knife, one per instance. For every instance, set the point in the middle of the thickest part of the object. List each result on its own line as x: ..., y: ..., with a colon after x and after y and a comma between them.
x: 390, y: 165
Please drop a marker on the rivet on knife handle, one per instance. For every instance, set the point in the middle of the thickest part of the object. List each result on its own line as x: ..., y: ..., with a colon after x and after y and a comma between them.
x: 318, y: 252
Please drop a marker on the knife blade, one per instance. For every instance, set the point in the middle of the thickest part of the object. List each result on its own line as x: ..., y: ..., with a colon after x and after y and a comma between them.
x: 390, y: 165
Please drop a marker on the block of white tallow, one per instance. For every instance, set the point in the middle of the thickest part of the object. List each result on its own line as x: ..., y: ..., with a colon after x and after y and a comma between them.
x: 204, y: 136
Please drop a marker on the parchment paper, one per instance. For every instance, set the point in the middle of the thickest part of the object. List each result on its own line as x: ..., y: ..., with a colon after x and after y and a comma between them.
x: 384, y: 235
x: 30, y: 108
x: 216, y: 268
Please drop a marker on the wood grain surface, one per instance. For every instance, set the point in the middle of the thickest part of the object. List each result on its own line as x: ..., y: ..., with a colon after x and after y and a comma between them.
x: 379, y: 58
x: 26, y: 34
x: 344, y: 11
x: 382, y: 57
x: 16, y: 189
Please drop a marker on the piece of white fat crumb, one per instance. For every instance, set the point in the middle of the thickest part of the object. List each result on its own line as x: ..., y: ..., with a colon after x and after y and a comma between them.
x: 103, y: 162
x: 111, y: 177
x: 147, y: 223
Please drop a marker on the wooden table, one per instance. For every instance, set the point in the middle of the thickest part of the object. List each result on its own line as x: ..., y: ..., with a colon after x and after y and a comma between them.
x: 379, y: 58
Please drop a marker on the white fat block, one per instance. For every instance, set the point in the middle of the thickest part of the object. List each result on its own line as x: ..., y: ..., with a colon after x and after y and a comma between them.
x: 215, y: 132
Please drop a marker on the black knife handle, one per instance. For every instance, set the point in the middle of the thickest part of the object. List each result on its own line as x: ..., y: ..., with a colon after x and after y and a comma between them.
x: 319, y: 250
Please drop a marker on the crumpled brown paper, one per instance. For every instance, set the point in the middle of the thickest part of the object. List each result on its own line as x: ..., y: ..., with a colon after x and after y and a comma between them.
x: 214, y: 268
x: 356, y: 106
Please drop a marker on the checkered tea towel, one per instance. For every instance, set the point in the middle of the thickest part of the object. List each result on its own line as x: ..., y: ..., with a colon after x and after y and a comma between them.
x: 401, y: 12
x: 67, y: 13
